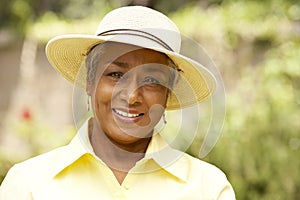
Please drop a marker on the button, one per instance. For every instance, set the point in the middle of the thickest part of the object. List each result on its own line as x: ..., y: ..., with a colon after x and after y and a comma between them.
x: 119, y: 195
x: 126, y: 186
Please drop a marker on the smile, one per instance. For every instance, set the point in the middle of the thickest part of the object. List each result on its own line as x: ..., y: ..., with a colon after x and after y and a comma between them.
x: 126, y: 114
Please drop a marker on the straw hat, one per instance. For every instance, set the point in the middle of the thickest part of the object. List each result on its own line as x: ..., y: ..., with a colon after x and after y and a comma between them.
x: 143, y: 27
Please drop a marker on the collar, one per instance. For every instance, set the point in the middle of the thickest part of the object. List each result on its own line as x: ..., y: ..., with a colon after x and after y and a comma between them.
x: 158, y: 151
x: 169, y: 159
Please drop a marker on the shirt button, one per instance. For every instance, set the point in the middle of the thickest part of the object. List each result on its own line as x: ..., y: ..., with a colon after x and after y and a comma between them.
x: 126, y: 186
x: 118, y: 195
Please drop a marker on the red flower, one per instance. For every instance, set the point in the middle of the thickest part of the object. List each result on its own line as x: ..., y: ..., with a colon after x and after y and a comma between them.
x: 26, y: 114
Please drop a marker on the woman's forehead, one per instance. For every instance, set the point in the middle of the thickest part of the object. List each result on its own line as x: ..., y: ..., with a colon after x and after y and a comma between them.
x: 141, y: 56
x: 143, y: 67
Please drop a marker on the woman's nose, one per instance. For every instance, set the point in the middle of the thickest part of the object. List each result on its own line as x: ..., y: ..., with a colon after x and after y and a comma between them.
x: 131, y: 91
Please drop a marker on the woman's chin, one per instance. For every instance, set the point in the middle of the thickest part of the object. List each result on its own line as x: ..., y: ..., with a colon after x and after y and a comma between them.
x: 131, y: 135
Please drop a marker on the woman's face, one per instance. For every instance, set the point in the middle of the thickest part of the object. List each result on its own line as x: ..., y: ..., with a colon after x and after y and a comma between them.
x: 130, y: 93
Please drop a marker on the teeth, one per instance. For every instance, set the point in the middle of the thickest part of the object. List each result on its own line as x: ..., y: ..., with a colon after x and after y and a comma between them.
x: 125, y: 114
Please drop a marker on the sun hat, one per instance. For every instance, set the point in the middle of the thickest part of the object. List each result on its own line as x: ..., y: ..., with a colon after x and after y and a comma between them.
x: 145, y: 28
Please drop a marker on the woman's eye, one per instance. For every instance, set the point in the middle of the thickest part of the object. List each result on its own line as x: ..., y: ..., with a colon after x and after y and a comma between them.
x: 151, y: 80
x: 116, y: 75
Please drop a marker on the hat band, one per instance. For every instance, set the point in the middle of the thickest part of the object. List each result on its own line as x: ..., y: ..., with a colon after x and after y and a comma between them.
x: 137, y: 33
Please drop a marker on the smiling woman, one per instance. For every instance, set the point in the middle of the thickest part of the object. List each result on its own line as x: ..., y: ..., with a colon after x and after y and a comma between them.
x: 127, y: 94
x: 133, y: 73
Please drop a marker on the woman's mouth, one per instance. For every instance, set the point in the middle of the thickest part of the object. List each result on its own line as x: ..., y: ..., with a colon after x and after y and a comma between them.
x: 131, y: 116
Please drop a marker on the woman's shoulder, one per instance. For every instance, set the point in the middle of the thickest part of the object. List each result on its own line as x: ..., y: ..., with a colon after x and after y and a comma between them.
x: 197, y: 162
x: 202, y: 171
x: 38, y: 167
x: 37, y: 163
x: 25, y: 175
x: 211, y: 179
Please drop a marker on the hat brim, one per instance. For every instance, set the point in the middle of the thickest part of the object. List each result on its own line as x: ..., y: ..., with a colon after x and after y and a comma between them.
x: 196, y: 84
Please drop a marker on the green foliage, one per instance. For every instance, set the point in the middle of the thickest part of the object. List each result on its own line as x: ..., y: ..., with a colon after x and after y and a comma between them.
x: 257, y: 48
x: 261, y: 140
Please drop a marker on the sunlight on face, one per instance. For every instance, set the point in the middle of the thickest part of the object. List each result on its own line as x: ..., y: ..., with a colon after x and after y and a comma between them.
x: 131, y: 93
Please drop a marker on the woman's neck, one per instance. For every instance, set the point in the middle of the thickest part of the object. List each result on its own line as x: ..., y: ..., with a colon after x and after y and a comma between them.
x: 120, y: 157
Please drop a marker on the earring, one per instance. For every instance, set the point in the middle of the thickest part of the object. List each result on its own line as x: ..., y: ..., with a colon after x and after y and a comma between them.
x: 88, y: 103
x: 164, y: 118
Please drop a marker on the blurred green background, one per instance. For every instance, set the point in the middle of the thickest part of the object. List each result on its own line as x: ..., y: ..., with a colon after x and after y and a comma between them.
x: 255, y: 44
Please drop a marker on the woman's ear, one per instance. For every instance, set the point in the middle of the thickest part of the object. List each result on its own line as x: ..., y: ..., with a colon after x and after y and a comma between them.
x: 89, y: 88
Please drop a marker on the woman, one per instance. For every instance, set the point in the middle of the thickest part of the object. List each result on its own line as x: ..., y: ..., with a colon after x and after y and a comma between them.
x: 132, y: 72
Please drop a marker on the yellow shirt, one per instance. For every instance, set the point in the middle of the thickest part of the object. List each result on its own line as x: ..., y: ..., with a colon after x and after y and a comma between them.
x: 73, y: 172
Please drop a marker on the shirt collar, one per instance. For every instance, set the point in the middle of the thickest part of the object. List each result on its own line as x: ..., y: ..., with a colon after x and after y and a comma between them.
x: 78, y: 147
x: 169, y: 159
